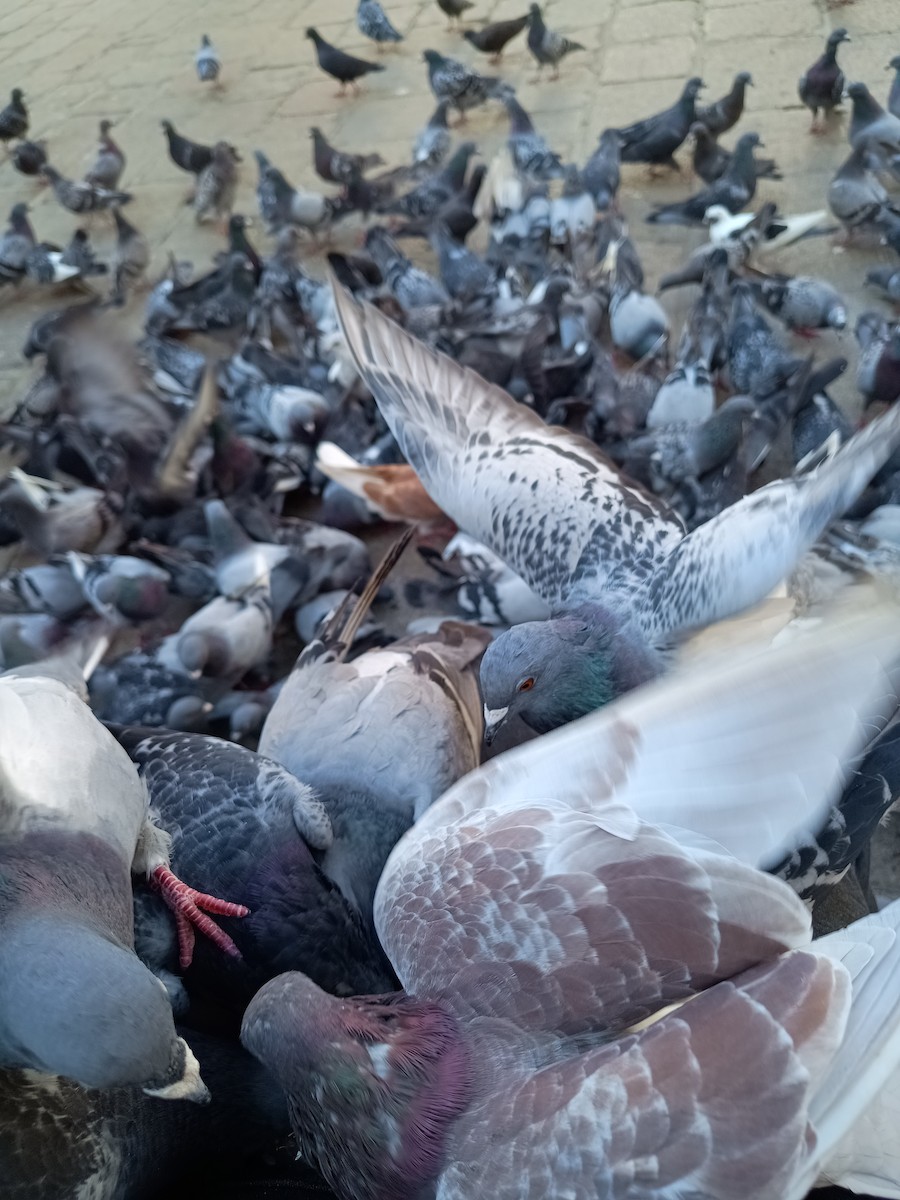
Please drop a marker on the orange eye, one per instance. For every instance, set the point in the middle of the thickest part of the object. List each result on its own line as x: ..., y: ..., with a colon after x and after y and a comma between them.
x: 526, y: 685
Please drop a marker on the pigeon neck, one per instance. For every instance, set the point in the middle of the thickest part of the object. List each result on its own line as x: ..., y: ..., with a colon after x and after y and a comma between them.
x: 366, y: 827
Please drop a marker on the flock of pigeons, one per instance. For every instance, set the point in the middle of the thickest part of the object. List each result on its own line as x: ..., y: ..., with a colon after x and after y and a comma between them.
x: 265, y: 922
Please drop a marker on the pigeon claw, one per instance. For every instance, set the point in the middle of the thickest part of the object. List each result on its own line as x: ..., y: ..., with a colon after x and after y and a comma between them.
x: 188, y: 905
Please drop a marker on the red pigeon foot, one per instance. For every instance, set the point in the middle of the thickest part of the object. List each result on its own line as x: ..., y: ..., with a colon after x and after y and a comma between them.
x: 187, y: 904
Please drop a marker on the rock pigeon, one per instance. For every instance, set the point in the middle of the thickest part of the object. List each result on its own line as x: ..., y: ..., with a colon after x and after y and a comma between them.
x: 411, y: 286
x: 82, y: 518
x: 14, y: 118
x: 878, y: 369
x: 107, y: 167
x: 893, y: 104
x: 217, y: 184
x: 711, y: 160
x: 493, y: 39
x: 548, y: 48
x: 735, y: 188
x: 529, y: 151
x: 871, y: 124
x: 855, y: 194
x: 222, y: 302
x: 620, y: 598
x: 29, y: 157
x: 573, y: 212
x: 373, y: 22
x: 185, y: 154
x: 281, y: 204
x: 600, y: 173
x: 821, y: 88
x: 130, y: 259
x: 340, y: 66
x: 336, y: 166
x: 454, y: 9
x: 723, y: 114
x: 207, y: 62
x: 803, y: 303
x: 80, y: 254
x: 75, y: 1000
x: 82, y: 197
x: 427, y: 197
x: 453, y: 82
x: 433, y: 141
x: 517, y: 1059
x: 887, y: 280
x: 655, y: 139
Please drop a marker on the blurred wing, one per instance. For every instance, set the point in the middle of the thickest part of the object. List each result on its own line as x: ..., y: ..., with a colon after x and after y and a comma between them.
x: 548, y: 502
x: 735, y: 560
x: 746, y: 756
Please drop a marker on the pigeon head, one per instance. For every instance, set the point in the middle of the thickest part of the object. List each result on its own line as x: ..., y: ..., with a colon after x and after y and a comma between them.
x: 743, y: 79
x: 204, y: 40
x: 314, y: 35
x: 433, y: 59
x: 202, y: 651
x: 894, y: 64
x: 18, y: 214
x: 17, y: 96
x: 836, y: 37
x: 552, y: 672
x: 534, y: 11
x: 374, y: 1084
x: 105, y: 127
x: 76, y: 1003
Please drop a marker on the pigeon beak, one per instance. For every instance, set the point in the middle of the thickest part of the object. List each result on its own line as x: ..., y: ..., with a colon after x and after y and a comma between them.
x: 189, y: 1087
x: 493, y: 719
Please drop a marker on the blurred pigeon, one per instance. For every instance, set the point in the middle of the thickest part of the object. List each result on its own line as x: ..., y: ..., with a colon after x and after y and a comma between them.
x: 433, y: 142
x: 855, y: 194
x: 600, y: 173
x: 223, y: 304
x: 548, y: 48
x: 711, y: 160
x: 427, y: 197
x: 878, y: 369
x: 454, y: 9
x: 82, y: 197
x: 720, y: 116
x: 893, y: 104
x: 217, y: 184
x: 872, y: 126
x: 82, y: 518
x: 493, y: 39
x: 343, y: 67
x: 107, y: 168
x: 573, y: 212
x: 803, y: 303
x: 372, y: 22
x: 121, y: 588
x: 207, y: 61
x: 130, y: 260
x: 735, y: 188
x: 452, y: 81
x: 189, y: 156
x: 655, y: 139
x: 336, y: 166
x: 411, y: 286
x: 817, y: 417
x: 530, y: 152
x: 225, y: 638
x: 757, y: 360
x: 463, y: 273
x: 887, y: 280
x: 29, y: 157
x: 281, y: 204
x: 822, y: 87
x: 80, y: 254
x: 14, y: 118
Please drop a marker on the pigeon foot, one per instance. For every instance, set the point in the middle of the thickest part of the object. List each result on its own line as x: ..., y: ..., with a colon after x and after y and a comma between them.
x: 187, y: 905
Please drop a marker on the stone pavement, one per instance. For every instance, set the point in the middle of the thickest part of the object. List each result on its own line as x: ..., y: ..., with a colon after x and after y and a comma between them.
x: 81, y: 60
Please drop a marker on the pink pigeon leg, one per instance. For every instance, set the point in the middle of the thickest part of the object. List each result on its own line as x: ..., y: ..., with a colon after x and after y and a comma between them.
x: 187, y: 905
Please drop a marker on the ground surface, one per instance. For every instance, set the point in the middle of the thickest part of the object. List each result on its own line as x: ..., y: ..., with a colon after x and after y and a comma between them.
x: 81, y: 60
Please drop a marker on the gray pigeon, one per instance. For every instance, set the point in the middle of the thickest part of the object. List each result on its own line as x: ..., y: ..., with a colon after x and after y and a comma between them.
x: 217, y: 184
x: 548, y: 48
x: 452, y: 81
x: 855, y: 194
x: 207, y: 62
x: 711, y: 160
x: 410, y: 285
x: 530, y: 153
x: 372, y: 22
x: 600, y: 173
x: 757, y: 360
x: 107, y: 168
x: 130, y: 260
x: 14, y: 117
x: 655, y: 139
x: 75, y: 1000
x: 887, y: 280
x: 82, y: 197
x: 225, y: 638
x: 803, y: 303
x: 723, y: 114
x: 16, y: 244
x: 734, y: 189
x: 433, y: 141
x: 821, y: 88
x: 427, y: 197
x: 893, y: 104
x: 871, y: 124
x: 465, y: 276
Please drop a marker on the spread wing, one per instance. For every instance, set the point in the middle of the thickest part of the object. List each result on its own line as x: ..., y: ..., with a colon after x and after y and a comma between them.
x: 548, y: 502
x: 735, y: 560
x: 531, y: 889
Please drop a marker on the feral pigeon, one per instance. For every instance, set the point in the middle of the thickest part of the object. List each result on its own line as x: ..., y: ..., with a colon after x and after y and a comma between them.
x: 655, y: 139
x: 373, y: 22
x: 454, y: 9
x: 452, y: 81
x: 493, y: 39
x: 433, y: 141
x: 14, y: 118
x: 548, y: 48
x: 106, y: 169
x: 340, y: 66
x: 207, y: 61
x: 821, y: 88
x: 185, y: 154
x: 720, y: 116
x: 734, y: 189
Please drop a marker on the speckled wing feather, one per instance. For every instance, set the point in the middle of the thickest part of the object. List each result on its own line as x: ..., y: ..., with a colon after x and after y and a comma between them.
x: 547, y: 501
x: 747, y: 756
x: 736, y: 559
x: 711, y: 1100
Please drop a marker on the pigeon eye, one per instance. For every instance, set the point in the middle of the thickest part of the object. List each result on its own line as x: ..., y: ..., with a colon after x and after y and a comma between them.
x: 526, y: 685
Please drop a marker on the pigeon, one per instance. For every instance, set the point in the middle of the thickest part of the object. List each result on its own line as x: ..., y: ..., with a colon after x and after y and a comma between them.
x: 454, y: 9
x: 493, y: 39
x: 893, y: 104
x: 855, y: 194
x: 372, y: 22
x: 340, y: 66
x: 517, y: 1060
x: 130, y: 259
x: 185, y: 154
x: 241, y: 825
x: 572, y: 213
x: 620, y: 597
x: 817, y: 417
x: 803, y: 303
x: 821, y: 88
x: 427, y: 197
x: 757, y: 361
x: 887, y: 280
x: 336, y: 166
x: 76, y: 1001
x: 878, y: 369
x: 548, y: 48
x: 433, y: 141
x: 217, y: 184
x: 456, y: 213
x: 207, y: 62
x: 453, y: 82
x: 29, y: 157
x: 225, y: 638
x: 724, y: 114
x: 80, y: 254
x: 410, y: 285
x: 655, y: 139
x: 465, y: 276
x: 529, y: 151
x: 82, y: 518
x: 711, y: 160
x: 871, y: 124
x: 600, y: 174
x: 109, y: 164
x: 14, y: 118
x: 225, y: 304
x: 82, y: 197
x: 121, y: 588
x: 732, y: 190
